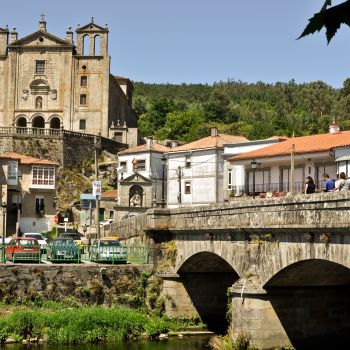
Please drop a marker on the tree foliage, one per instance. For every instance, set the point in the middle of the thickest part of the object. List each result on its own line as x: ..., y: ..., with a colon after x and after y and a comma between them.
x: 186, y: 112
x: 330, y: 18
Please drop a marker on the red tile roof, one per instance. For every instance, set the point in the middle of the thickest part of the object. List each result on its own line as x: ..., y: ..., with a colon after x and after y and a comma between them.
x: 303, y: 144
x: 156, y: 147
x: 110, y: 194
x: 23, y: 159
x: 210, y: 142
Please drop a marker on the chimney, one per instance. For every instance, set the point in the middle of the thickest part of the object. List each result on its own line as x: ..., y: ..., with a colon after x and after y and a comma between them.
x: 69, y: 35
x: 149, y: 143
x: 13, y: 36
x: 213, y: 131
x: 334, y: 128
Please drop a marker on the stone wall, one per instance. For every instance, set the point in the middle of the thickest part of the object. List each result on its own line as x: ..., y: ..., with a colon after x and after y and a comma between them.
x: 88, y: 284
x: 68, y: 149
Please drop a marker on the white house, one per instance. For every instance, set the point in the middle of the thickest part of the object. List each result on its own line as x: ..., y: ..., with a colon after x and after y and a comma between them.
x: 234, y: 174
x: 195, y: 170
x: 28, y: 189
x: 140, y: 177
x: 313, y: 156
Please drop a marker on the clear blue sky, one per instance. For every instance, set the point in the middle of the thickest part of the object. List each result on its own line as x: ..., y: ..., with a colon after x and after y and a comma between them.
x: 199, y: 41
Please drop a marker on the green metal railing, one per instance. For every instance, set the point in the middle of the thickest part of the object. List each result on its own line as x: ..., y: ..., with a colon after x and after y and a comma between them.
x: 64, y: 253
x: 21, y: 253
x: 119, y: 254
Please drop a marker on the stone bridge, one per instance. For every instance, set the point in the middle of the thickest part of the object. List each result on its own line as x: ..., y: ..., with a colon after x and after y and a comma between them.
x: 283, y: 264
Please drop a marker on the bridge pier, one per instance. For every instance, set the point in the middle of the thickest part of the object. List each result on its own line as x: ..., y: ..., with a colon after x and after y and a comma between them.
x: 254, y: 315
x: 178, y: 303
x: 302, y: 317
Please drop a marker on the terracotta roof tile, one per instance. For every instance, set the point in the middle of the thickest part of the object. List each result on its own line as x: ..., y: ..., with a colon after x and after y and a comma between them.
x: 156, y: 147
x: 110, y: 194
x: 303, y: 144
x: 210, y: 142
x: 23, y: 159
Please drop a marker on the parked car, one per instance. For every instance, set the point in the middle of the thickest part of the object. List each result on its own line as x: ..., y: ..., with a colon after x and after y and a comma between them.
x: 108, y: 249
x: 23, y: 249
x: 106, y: 222
x: 39, y: 237
x: 77, y: 238
x: 63, y: 249
x: 7, y: 240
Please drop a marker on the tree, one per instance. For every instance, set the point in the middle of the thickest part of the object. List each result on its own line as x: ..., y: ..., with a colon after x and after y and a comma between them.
x: 179, y: 126
x: 330, y: 18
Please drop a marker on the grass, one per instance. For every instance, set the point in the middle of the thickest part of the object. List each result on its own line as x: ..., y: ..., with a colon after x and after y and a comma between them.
x: 56, y: 323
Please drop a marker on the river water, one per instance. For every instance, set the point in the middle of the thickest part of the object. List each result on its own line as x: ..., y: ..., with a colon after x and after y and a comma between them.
x: 185, y: 343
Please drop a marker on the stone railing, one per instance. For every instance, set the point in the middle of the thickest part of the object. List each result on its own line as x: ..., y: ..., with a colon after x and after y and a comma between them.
x: 56, y: 133
x: 16, y: 130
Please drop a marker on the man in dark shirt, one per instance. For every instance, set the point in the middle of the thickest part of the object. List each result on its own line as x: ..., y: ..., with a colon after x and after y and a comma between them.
x: 328, y: 184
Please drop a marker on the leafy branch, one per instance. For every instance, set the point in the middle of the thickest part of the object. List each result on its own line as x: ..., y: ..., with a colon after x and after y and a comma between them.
x: 331, y: 18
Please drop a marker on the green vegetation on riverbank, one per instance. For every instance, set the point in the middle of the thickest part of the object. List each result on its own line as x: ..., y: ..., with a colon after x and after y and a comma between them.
x: 85, y: 324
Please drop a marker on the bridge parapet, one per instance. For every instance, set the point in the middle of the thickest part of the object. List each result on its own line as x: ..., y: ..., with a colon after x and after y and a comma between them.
x: 314, y: 213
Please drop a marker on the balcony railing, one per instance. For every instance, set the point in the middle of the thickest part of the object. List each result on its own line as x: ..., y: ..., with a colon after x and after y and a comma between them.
x: 284, y: 187
x: 17, y: 130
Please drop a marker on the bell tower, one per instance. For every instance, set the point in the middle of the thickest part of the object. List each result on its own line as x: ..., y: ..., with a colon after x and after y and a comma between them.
x: 92, y: 76
x: 92, y: 40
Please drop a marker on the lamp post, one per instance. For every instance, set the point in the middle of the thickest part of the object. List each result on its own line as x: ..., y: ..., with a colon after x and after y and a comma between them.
x: 163, y: 162
x: 253, y: 163
x: 4, y: 206
x: 55, y: 200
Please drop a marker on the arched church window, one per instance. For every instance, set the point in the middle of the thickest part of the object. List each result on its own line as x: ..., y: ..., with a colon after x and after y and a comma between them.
x: 97, y: 45
x: 85, y: 50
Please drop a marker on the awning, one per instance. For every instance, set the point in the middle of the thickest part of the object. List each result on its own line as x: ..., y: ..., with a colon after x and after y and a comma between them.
x: 343, y: 158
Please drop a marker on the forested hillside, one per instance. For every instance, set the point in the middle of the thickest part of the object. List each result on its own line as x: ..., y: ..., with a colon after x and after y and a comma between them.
x: 186, y: 112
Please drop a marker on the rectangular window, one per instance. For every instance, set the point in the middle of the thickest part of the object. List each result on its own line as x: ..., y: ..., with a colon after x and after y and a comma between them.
x: 39, y: 205
x: 123, y: 165
x: 43, y: 176
x: 141, y: 164
x: 83, y: 81
x: 188, y: 162
x: 82, y: 124
x: 111, y: 214
x: 229, y: 179
x: 12, y: 172
x: 187, y: 187
x: 83, y: 99
x: 40, y: 67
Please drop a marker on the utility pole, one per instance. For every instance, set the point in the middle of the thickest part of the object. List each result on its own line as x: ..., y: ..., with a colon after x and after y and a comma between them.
x: 97, y: 142
x: 292, y: 168
x: 179, y: 174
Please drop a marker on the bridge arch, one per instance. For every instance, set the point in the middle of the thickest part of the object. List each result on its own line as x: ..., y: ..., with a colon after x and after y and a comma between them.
x: 310, y: 300
x: 206, y: 277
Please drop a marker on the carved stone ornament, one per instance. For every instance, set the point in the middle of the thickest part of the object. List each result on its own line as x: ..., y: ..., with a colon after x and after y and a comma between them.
x: 325, y: 238
x: 25, y: 95
x: 53, y: 94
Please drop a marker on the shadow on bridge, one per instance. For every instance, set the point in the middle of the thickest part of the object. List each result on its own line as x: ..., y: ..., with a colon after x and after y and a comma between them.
x: 311, y: 300
x: 206, y: 278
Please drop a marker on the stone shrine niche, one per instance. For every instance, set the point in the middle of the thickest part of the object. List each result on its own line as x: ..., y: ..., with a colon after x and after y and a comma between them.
x: 39, y: 102
x: 135, y: 196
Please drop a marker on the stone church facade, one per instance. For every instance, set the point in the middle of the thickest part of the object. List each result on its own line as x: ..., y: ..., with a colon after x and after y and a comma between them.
x: 49, y: 82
